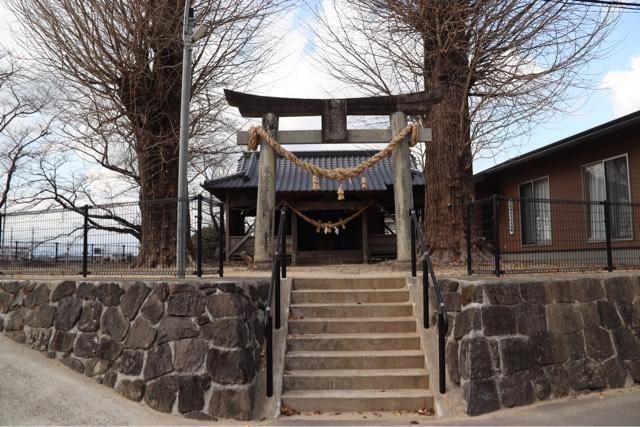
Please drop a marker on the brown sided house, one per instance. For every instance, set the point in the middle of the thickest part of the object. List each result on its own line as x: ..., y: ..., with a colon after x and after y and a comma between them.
x: 553, y: 199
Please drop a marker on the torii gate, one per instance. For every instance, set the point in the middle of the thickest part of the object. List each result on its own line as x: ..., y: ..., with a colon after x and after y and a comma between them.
x: 334, y: 114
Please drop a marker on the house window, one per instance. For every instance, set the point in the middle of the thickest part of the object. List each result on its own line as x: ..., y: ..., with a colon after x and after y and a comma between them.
x: 535, y: 212
x: 608, y: 180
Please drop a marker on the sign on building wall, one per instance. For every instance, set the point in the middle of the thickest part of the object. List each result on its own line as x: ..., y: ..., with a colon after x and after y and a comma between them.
x: 511, y: 226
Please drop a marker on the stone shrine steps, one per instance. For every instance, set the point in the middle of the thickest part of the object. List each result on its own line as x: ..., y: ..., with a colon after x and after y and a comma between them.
x: 353, y: 346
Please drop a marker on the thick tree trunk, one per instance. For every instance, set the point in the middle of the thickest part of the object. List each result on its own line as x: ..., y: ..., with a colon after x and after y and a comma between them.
x: 151, y: 95
x: 449, y: 181
x: 449, y: 159
x: 158, y: 206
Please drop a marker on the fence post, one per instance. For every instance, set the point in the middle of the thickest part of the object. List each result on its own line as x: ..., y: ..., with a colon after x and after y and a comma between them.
x: 468, y: 226
x: 2, y: 251
x: 85, y: 240
x: 221, y: 240
x: 413, y: 243
x: 283, y: 245
x: 55, y: 258
x: 199, y: 238
x: 269, y: 339
x: 607, y: 233
x: 276, y: 289
x: 496, y: 233
x: 425, y: 294
x: 441, y: 354
x: 124, y: 257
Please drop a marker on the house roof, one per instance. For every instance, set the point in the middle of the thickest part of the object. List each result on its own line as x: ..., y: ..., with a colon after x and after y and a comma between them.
x: 578, y: 139
x: 290, y: 178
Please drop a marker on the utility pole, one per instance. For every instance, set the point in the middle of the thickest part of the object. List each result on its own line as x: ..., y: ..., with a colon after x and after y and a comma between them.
x: 3, y: 229
x: 183, y: 191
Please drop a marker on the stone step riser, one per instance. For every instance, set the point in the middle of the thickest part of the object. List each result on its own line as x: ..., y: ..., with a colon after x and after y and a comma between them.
x: 386, y: 382
x: 354, y: 362
x: 369, y: 283
x: 328, y: 404
x: 353, y: 344
x: 346, y: 327
x: 310, y: 311
x: 301, y: 297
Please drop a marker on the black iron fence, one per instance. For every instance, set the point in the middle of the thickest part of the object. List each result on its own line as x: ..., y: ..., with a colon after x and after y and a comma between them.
x: 517, y: 235
x: 112, y: 239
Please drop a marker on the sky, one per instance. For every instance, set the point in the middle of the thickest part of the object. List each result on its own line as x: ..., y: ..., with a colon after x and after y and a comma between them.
x: 616, y: 79
x: 295, y: 73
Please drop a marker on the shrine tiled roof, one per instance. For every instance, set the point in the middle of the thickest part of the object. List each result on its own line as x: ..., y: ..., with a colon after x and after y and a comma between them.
x: 290, y: 178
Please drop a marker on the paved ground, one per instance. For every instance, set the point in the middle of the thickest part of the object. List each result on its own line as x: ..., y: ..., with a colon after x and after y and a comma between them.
x: 35, y: 390
x: 614, y: 407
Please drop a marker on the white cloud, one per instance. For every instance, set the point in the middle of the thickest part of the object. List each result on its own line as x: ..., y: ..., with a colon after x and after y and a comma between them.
x: 624, y: 88
x: 298, y: 73
x: 11, y: 33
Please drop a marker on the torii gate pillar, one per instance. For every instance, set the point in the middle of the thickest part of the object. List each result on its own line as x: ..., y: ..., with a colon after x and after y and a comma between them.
x: 266, y: 203
x: 402, y: 189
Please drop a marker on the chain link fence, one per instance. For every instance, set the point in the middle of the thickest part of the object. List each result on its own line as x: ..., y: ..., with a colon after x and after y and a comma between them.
x: 132, y: 238
x: 517, y: 235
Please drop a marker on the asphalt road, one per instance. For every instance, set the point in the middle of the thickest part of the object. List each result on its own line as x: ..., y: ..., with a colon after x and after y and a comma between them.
x: 35, y: 390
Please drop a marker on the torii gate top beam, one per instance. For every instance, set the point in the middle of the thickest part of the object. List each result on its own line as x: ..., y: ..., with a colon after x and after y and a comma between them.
x: 334, y: 112
x: 257, y: 105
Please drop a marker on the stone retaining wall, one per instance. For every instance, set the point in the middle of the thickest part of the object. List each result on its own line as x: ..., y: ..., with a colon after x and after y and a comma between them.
x: 514, y: 342
x: 184, y: 348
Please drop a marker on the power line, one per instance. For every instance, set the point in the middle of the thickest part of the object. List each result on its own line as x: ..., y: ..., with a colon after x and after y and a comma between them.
x: 621, y: 5
x: 609, y: 3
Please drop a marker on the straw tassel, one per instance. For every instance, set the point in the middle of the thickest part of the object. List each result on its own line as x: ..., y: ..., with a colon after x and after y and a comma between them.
x: 363, y: 183
x: 315, y: 183
x: 340, y: 192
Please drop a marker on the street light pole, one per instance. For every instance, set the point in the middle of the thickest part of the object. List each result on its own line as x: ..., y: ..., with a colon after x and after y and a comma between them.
x: 183, y: 192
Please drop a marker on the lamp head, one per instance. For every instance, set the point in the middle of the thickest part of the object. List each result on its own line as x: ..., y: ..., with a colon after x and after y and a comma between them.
x: 201, y: 32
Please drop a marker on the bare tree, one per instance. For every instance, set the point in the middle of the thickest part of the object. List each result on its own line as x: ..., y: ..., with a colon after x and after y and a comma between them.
x: 24, y: 125
x: 120, y: 61
x: 505, y: 65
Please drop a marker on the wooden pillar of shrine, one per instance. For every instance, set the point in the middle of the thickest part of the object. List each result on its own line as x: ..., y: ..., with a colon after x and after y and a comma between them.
x: 402, y: 189
x: 266, y: 203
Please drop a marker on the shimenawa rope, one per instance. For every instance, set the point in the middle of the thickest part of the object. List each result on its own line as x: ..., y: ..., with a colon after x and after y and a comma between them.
x: 338, y: 174
x: 328, y: 226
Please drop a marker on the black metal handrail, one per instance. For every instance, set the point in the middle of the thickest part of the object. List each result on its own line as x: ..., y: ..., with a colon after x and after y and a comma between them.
x: 427, y: 272
x: 279, y: 267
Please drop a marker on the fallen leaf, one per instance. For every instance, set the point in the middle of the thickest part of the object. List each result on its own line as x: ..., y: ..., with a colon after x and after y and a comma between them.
x: 287, y: 412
